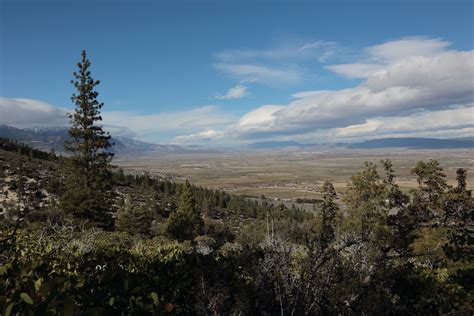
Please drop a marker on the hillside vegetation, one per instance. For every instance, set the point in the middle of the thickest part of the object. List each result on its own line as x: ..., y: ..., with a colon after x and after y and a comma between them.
x: 388, y: 252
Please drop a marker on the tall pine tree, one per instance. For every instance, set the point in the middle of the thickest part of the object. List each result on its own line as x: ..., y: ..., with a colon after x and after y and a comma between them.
x: 186, y: 222
x: 329, y: 215
x: 88, y: 185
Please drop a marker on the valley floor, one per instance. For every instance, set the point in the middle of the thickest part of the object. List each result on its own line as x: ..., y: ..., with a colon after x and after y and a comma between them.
x: 291, y: 175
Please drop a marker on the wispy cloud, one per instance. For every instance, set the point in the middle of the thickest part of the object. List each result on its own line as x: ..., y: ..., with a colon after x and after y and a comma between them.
x: 236, y: 92
x: 324, y: 50
x: 260, y: 73
x: 318, y: 50
x: 283, y: 64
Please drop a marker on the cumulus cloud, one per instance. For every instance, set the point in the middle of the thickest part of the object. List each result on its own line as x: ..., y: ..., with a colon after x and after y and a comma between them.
x: 378, y: 57
x: 236, y: 92
x: 23, y: 113
x: 432, y: 78
x: 258, y: 118
x: 456, y: 122
x: 432, y: 121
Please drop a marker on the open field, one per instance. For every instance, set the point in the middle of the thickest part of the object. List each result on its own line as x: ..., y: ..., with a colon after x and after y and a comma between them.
x: 292, y: 175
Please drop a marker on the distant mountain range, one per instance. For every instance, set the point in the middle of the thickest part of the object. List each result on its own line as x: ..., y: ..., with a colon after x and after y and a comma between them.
x: 415, y: 143
x: 48, y: 138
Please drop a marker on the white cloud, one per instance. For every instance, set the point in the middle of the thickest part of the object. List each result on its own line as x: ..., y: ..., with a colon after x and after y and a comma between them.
x: 206, y: 135
x: 436, y: 80
x: 260, y: 117
x: 276, y: 65
x: 179, y: 121
x: 407, y: 47
x: 450, y: 119
x: 260, y: 73
x: 358, y: 70
x: 319, y: 50
x: 23, y: 113
x: 323, y: 49
x: 378, y: 57
x: 163, y: 127
x: 236, y: 92
x: 457, y: 122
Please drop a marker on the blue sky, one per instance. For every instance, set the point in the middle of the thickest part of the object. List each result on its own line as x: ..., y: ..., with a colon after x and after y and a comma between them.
x: 223, y: 72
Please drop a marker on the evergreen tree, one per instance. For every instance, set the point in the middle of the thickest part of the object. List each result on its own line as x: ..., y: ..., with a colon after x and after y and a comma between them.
x: 187, y: 204
x: 205, y: 208
x: 461, y: 175
x: 329, y: 213
x: 366, y: 201
x: 88, y: 182
x: 135, y: 216
x: 431, y: 180
x: 186, y: 222
x: 458, y: 217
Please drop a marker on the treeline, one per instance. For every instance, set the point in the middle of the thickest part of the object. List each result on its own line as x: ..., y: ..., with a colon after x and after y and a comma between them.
x: 211, y: 201
x: 22, y: 149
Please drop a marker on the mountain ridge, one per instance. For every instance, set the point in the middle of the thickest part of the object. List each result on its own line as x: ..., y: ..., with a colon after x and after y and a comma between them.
x: 52, y: 138
x: 415, y: 143
x: 47, y: 138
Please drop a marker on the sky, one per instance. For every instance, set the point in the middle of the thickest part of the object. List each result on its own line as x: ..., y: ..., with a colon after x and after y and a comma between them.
x: 227, y: 73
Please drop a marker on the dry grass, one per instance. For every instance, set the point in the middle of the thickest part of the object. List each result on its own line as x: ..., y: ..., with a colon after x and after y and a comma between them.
x: 292, y: 175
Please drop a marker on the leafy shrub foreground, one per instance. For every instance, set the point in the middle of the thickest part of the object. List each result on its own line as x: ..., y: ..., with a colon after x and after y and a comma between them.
x: 62, y: 270
x: 101, y: 273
